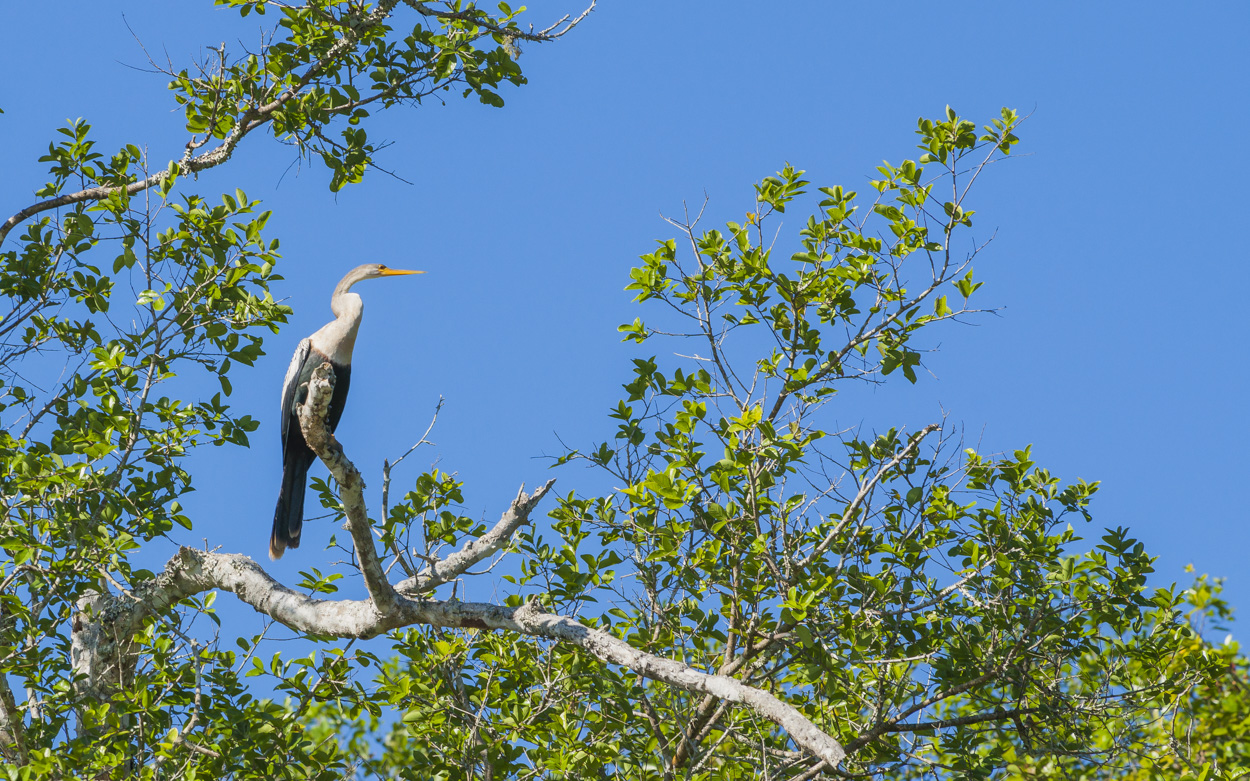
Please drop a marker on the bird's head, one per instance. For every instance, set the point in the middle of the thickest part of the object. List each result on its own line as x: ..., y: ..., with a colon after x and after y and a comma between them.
x: 369, y: 271
x: 375, y: 270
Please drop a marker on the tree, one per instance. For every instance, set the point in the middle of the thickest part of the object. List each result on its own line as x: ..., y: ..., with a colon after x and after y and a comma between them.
x: 762, y: 597
x: 1192, y: 734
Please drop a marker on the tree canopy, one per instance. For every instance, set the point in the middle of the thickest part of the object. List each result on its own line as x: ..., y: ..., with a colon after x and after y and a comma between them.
x: 763, y: 595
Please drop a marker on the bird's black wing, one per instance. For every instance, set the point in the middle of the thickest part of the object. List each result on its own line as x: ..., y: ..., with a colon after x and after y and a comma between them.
x: 342, y: 381
x: 291, y: 385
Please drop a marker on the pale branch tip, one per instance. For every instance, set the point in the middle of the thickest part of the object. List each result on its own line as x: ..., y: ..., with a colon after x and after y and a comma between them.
x: 865, y: 490
x: 440, y: 572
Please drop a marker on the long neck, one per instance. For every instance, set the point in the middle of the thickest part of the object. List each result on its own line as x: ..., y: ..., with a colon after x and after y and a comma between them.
x: 337, y: 338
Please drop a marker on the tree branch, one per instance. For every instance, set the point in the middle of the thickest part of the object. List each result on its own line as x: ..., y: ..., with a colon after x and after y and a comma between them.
x: 961, y: 721
x: 194, y: 571
x: 261, y: 113
x: 12, y: 727
x: 487, y: 545
x: 248, y: 121
x: 864, y: 490
x: 549, y: 34
x: 312, y: 422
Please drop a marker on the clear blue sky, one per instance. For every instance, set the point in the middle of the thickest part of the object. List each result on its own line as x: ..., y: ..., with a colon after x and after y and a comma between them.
x: 1119, y: 264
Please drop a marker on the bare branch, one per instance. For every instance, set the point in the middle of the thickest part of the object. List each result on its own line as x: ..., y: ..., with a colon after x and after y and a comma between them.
x: 488, y: 544
x: 549, y: 34
x: 194, y: 571
x: 312, y: 423
x: 864, y: 490
x: 387, y: 467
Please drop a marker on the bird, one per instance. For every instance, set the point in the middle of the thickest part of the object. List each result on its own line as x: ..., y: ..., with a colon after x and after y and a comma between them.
x: 332, y: 343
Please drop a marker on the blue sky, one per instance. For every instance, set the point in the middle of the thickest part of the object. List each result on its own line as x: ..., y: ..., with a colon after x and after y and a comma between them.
x: 1119, y: 350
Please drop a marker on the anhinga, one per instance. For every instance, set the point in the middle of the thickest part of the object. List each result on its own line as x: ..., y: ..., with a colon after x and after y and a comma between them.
x: 333, y: 343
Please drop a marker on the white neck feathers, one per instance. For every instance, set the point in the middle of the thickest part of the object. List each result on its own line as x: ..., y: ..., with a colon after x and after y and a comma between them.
x: 337, y: 338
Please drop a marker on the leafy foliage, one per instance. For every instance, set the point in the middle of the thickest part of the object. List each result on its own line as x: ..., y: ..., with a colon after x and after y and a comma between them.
x: 931, y: 607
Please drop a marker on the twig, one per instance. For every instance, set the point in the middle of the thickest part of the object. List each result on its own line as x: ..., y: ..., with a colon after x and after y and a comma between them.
x: 864, y: 490
x: 440, y: 572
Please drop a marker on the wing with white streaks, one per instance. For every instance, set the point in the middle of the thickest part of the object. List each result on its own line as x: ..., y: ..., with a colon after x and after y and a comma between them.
x: 289, y: 386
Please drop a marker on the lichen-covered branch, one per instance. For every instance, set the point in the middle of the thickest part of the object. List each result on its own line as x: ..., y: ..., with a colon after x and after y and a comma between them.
x: 559, y: 28
x: 312, y: 417
x: 487, y: 545
x: 194, y: 571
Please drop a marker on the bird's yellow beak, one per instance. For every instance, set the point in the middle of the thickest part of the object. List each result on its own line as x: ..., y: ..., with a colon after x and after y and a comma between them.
x: 395, y: 272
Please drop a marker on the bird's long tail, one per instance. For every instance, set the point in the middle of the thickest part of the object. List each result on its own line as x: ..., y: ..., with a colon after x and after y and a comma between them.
x: 288, y: 516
